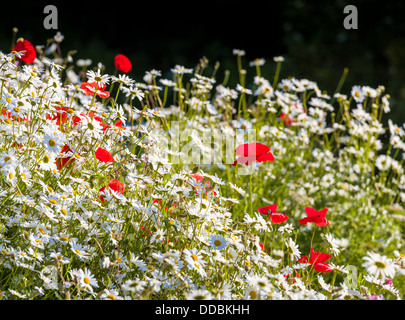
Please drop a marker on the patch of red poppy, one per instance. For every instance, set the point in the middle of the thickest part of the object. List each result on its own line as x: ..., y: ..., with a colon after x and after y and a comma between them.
x: 122, y: 63
x: 115, y: 185
x: 261, y: 246
x: 286, y: 119
x: 198, y: 177
x: 60, y: 116
x: 104, y: 156
x: 29, y: 54
x: 318, y: 261
x: 318, y: 217
x: 89, y: 88
x: 159, y: 202
x: 275, y: 217
x: 250, y: 152
x: 62, y: 162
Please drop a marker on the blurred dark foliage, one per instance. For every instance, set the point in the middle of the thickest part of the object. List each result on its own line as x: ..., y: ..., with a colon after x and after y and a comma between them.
x: 158, y: 35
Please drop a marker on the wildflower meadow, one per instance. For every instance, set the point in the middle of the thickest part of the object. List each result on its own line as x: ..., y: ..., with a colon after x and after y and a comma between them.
x: 178, y: 186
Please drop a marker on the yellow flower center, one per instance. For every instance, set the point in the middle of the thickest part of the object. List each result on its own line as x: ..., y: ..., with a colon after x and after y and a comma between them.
x: 78, y: 252
x: 64, y: 212
x: 86, y: 280
x: 380, y: 265
x: 53, y: 201
x: 195, y: 258
x: 17, y: 109
x: 217, y: 243
x: 63, y: 238
x: 52, y: 142
x: 253, y: 294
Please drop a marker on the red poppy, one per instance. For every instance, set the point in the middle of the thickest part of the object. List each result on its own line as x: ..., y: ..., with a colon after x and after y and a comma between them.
x: 103, y: 155
x: 198, y: 177
x: 261, y: 246
x: 275, y: 217
x: 286, y: 119
x: 250, y: 152
x: 119, y: 124
x: 89, y: 88
x: 115, y: 185
x: 159, y: 202
x: 122, y: 63
x: 60, y: 116
x: 61, y: 162
x: 29, y: 54
x: 314, y: 216
x: 317, y: 260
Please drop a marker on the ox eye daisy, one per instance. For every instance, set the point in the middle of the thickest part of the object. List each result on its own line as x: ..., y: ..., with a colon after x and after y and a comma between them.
x: 158, y: 236
x: 87, y: 279
x: 97, y: 77
x: 47, y: 162
x: 217, y: 242
x: 80, y: 251
x: 53, y: 140
x: 358, y: 94
x: 379, y: 266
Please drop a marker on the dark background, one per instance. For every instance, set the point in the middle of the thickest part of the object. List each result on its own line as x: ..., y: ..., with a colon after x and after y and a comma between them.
x: 158, y: 35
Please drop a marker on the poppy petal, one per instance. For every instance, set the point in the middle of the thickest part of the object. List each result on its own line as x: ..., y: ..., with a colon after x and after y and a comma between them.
x: 304, y: 220
x: 321, y: 222
x: 322, y: 267
x: 104, y: 156
x: 311, y: 212
x: 268, y: 209
x: 278, y: 217
x: 265, y: 157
